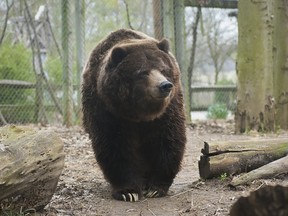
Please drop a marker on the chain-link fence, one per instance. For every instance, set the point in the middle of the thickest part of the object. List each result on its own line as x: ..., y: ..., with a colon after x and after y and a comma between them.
x: 41, y: 58
x: 44, y: 44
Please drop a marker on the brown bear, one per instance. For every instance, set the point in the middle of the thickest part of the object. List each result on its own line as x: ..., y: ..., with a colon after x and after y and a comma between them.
x: 133, y: 112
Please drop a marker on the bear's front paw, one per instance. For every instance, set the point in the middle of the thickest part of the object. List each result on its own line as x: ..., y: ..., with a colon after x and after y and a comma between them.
x: 126, y: 196
x: 153, y: 193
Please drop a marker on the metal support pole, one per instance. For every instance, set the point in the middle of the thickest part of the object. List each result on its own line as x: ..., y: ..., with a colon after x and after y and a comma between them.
x: 67, y: 62
x: 179, y: 26
x: 80, y: 47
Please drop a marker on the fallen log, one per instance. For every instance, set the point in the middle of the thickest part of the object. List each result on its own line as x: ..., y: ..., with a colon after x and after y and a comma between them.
x: 266, y: 201
x: 270, y: 170
x: 30, y: 167
x: 236, y: 157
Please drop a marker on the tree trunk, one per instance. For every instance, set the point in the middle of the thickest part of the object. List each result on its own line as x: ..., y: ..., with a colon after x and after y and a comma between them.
x: 280, y: 57
x: 31, y: 164
x: 254, y: 65
x: 239, y: 156
x: 262, y: 66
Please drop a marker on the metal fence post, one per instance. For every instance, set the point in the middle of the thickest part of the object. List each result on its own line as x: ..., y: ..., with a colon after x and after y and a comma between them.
x: 179, y: 29
x: 80, y: 47
x: 158, y: 19
x: 67, y: 62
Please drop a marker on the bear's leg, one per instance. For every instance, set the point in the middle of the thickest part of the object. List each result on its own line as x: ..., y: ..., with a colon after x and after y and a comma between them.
x: 122, y: 172
x: 117, y: 157
x: 126, y: 184
x: 157, y: 187
x: 164, y: 169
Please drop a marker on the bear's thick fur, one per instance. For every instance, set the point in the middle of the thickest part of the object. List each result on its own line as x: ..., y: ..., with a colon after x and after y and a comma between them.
x: 133, y: 112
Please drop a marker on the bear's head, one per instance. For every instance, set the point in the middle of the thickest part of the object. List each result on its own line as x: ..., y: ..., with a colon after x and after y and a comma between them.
x: 138, y: 79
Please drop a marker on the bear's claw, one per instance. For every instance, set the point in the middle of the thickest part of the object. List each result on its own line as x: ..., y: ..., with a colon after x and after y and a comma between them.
x: 152, y: 194
x: 130, y: 197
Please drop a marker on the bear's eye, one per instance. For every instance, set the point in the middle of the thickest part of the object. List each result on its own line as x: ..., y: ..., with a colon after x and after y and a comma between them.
x: 166, y: 71
x: 144, y: 73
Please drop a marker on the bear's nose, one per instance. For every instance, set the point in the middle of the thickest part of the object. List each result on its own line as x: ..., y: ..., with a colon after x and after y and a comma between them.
x: 165, y: 87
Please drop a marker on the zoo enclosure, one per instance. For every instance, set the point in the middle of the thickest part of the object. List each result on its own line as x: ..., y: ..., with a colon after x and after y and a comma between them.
x: 40, y: 80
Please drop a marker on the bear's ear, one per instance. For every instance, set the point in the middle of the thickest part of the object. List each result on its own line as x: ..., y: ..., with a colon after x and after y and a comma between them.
x: 118, y: 54
x: 163, y: 45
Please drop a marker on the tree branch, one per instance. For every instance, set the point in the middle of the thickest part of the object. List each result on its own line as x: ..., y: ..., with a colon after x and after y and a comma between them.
x: 53, y: 36
x: 6, y: 20
x: 128, y: 16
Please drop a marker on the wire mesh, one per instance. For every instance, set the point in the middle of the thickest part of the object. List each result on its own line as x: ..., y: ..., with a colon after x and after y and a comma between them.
x: 43, y: 48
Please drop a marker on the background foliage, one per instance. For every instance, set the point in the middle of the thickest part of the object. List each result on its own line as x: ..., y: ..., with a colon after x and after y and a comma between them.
x: 214, y: 59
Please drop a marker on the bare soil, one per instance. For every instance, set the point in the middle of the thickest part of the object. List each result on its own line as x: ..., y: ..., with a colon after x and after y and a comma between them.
x: 82, y: 190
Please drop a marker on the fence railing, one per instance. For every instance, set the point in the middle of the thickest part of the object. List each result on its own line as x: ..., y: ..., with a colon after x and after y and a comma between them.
x: 27, y: 110
x: 204, y: 96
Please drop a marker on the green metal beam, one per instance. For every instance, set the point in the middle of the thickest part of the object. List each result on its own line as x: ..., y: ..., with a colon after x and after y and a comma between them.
x: 225, y: 4
x: 67, y: 62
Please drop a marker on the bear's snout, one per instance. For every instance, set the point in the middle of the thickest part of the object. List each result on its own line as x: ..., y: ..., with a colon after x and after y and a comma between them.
x: 165, y: 88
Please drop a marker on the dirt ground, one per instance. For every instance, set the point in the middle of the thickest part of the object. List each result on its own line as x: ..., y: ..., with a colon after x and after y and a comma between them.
x: 82, y: 189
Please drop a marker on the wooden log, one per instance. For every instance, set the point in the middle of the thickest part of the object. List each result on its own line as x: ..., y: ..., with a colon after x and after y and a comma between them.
x: 272, y: 169
x: 235, y: 157
x: 30, y: 167
x: 266, y: 201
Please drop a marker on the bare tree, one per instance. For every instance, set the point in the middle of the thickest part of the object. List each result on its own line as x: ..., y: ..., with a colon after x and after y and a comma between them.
x: 143, y: 16
x: 220, y: 47
x: 193, y: 49
x: 216, y: 43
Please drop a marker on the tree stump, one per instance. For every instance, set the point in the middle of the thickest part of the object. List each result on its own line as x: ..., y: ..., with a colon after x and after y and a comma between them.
x: 30, y: 167
x: 235, y: 157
